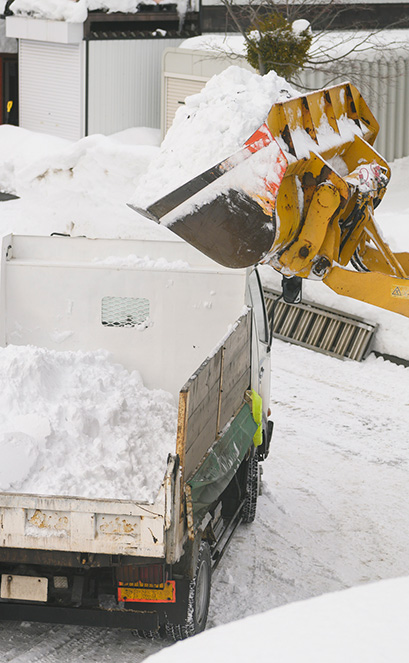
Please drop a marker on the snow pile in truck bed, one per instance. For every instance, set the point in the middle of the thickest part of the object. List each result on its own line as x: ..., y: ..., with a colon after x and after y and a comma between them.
x: 209, y: 127
x: 74, y: 423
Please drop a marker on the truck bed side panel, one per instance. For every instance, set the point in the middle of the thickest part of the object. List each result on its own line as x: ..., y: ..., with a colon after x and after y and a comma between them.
x: 215, y: 393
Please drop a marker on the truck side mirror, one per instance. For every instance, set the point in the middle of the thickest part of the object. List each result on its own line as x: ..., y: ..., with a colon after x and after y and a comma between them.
x: 292, y: 289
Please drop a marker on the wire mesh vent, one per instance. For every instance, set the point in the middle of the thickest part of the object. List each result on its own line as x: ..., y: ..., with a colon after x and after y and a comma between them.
x: 318, y: 328
x: 124, y: 311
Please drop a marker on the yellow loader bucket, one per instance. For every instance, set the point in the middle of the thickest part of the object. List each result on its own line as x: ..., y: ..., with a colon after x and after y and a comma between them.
x: 317, y: 138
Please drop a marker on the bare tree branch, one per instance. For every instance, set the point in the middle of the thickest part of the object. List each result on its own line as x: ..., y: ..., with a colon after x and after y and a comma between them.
x: 322, y: 55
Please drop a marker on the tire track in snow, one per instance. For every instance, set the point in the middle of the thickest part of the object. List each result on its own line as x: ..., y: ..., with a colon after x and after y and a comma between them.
x: 54, y: 644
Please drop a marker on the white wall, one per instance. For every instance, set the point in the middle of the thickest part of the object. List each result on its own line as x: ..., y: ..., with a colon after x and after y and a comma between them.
x: 125, y: 83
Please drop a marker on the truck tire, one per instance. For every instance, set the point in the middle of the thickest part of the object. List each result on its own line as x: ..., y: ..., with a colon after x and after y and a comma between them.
x: 198, y: 599
x: 248, y: 513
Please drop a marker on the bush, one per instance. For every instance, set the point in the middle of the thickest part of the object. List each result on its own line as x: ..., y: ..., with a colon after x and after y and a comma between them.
x: 273, y: 43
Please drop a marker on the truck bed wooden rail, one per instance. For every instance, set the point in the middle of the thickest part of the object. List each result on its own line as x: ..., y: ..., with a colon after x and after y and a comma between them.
x: 213, y: 395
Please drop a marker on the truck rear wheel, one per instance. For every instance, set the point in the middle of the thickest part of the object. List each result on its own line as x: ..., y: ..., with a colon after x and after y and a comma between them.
x: 198, y: 599
x: 248, y: 513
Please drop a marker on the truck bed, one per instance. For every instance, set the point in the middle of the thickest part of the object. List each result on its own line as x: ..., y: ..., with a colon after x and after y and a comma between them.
x: 67, y: 271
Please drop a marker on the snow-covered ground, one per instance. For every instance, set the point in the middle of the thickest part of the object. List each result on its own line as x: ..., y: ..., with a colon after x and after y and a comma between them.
x: 334, y: 510
x: 357, y: 625
x: 333, y: 513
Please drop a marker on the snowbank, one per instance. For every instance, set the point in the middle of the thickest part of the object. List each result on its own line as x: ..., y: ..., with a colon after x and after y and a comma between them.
x: 359, y: 625
x: 335, y: 44
x: 79, y: 188
x: 74, y: 423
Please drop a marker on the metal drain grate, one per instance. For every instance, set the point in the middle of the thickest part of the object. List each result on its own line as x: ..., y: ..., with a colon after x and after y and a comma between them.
x: 318, y: 328
x: 124, y: 311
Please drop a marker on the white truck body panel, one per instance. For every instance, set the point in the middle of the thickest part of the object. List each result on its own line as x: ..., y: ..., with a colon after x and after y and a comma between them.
x: 52, y: 290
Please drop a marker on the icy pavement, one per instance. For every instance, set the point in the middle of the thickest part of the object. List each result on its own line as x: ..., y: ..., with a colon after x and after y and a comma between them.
x: 333, y: 513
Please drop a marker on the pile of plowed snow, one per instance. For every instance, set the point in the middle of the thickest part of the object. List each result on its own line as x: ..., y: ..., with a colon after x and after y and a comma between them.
x: 74, y: 423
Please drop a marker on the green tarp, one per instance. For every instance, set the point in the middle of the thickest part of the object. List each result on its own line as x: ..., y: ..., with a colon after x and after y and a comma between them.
x: 221, y: 463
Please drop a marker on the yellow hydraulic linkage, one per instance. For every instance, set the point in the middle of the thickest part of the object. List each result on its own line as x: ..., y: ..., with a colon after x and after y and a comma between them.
x: 326, y: 200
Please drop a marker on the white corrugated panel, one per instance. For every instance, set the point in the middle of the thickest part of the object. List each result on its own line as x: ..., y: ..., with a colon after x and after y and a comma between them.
x: 51, y: 80
x: 176, y: 91
x: 125, y: 83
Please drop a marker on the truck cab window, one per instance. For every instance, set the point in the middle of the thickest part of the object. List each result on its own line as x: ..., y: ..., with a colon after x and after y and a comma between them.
x: 257, y: 300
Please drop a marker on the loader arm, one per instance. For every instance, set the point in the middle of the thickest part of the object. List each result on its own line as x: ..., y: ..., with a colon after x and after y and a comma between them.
x: 313, y: 216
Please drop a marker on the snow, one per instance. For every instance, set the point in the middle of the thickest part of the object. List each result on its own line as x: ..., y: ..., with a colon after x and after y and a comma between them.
x: 143, y: 262
x: 331, y: 44
x: 334, y: 508
x: 76, y: 11
x: 73, y: 11
x: 359, y: 625
x: 74, y: 423
x: 210, y: 127
x: 79, y: 188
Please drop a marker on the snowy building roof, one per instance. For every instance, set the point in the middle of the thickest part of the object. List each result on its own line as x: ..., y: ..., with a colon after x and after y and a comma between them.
x: 75, y: 11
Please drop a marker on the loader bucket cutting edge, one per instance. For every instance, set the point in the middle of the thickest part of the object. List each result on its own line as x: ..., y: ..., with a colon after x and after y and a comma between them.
x: 232, y: 230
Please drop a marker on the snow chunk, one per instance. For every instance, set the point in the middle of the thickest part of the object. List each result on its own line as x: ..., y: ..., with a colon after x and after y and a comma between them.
x: 74, y: 423
x: 300, y: 25
x: 210, y: 127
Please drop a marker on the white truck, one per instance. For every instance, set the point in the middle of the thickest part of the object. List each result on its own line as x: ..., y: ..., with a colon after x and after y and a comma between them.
x: 190, y: 327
